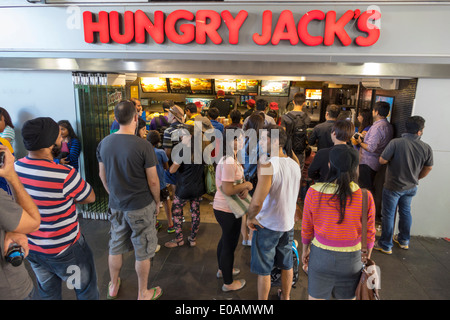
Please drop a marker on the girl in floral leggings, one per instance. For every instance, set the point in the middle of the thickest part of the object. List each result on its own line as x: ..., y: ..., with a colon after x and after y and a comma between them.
x: 177, y: 213
x: 190, y: 187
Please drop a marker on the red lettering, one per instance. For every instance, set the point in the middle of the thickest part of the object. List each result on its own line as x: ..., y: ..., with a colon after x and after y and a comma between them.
x: 285, y: 22
x: 208, y: 29
x: 102, y: 27
x: 129, y: 26
x: 234, y: 24
x: 187, y: 30
x: 372, y: 30
x: 143, y: 25
x: 114, y: 27
x: 266, y: 30
x: 333, y: 27
x: 303, y: 33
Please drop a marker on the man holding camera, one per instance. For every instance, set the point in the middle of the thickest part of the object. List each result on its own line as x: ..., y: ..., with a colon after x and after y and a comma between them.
x: 17, y: 218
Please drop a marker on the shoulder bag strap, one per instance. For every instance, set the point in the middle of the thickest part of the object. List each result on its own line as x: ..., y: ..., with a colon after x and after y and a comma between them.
x: 364, y: 251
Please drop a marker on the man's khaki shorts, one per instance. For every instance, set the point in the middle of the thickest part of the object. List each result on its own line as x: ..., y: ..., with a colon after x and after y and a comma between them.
x: 134, y: 230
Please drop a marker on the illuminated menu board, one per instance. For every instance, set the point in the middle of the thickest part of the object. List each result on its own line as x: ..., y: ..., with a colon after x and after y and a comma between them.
x: 313, y: 94
x: 180, y: 85
x: 152, y: 84
x: 200, y: 85
x: 275, y: 88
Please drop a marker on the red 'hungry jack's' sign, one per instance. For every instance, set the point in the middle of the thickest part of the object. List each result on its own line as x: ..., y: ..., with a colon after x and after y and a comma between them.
x: 137, y: 25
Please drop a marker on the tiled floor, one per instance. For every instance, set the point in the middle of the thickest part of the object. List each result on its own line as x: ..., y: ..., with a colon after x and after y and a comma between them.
x: 185, y: 273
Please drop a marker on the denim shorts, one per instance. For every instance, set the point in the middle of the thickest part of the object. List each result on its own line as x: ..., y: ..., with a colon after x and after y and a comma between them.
x: 170, y: 178
x: 332, y: 273
x: 134, y: 230
x: 271, y: 249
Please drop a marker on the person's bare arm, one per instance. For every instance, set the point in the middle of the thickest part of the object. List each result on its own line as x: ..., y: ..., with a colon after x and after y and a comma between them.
x: 229, y: 188
x: 383, y: 161
x: 424, y: 172
x: 102, y: 174
x: 262, y: 190
x: 153, y: 183
x: 89, y: 199
x: 31, y: 218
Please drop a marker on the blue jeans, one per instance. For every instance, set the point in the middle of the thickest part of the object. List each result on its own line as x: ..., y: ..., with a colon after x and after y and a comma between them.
x: 271, y: 249
x: 390, y: 201
x: 75, y: 266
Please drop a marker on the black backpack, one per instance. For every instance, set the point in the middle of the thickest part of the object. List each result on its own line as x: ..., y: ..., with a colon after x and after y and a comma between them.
x: 275, y: 275
x: 296, y: 130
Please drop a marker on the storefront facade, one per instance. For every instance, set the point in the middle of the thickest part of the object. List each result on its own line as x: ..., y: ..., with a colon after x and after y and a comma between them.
x: 42, y: 44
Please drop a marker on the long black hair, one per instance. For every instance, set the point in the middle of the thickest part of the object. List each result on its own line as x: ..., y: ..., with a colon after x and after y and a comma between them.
x: 367, y: 119
x: 342, y: 180
x: 66, y: 124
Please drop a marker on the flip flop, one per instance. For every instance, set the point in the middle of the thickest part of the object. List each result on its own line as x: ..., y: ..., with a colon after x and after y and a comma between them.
x: 174, y: 243
x: 279, y: 294
x: 109, y: 297
x: 154, y: 293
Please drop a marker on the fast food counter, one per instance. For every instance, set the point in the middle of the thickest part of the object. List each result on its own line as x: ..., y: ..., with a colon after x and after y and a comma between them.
x: 152, y: 91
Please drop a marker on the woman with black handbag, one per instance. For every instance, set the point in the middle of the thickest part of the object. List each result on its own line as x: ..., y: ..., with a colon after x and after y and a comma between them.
x: 331, y: 229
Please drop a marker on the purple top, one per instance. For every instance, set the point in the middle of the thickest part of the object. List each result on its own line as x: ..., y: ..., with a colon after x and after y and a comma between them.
x: 377, y: 139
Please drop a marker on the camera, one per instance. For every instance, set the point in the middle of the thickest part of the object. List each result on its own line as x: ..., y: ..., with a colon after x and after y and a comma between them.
x: 2, y: 158
x: 358, y: 135
x: 15, y: 255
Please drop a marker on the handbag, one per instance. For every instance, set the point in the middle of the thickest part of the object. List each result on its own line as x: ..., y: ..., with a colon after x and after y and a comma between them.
x: 367, y: 286
x: 210, y: 180
x: 237, y: 205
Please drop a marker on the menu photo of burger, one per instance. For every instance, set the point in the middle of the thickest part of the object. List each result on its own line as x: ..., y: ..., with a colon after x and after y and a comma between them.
x: 153, y: 84
x: 180, y: 84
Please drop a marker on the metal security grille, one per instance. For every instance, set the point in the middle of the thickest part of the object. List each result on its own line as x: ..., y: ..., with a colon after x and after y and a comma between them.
x: 95, y: 102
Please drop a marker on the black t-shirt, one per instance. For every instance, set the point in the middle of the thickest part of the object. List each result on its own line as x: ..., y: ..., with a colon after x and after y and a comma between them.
x: 248, y: 113
x: 322, y: 135
x: 223, y: 105
x: 190, y: 181
x: 125, y: 158
x: 319, y: 167
x: 407, y: 156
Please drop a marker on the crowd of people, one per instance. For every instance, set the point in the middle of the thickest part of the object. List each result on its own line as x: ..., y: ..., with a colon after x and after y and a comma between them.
x: 264, y: 168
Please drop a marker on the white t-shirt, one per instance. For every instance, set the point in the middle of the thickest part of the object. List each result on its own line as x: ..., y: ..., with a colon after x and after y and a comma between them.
x: 278, y: 210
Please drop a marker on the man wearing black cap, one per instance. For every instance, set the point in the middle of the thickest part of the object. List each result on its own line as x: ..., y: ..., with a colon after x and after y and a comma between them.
x: 56, y: 189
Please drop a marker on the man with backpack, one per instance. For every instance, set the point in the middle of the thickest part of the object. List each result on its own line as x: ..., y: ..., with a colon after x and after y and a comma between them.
x: 295, y: 123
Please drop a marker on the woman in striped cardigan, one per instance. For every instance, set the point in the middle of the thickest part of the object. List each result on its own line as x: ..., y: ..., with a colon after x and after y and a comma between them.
x: 70, y: 147
x: 331, y: 229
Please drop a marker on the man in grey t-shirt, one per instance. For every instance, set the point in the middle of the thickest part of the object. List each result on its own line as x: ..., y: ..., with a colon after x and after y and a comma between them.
x: 408, y: 160
x: 127, y: 168
x: 17, y: 218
